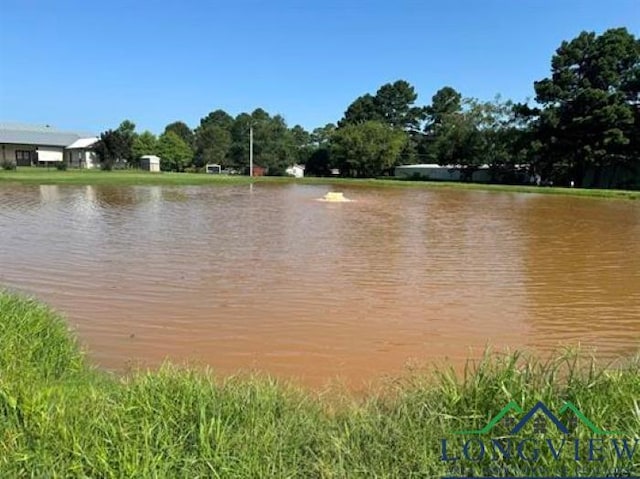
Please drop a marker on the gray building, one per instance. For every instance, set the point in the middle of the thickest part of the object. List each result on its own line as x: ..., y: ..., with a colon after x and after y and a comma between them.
x: 33, y: 145
x: 435, y: 172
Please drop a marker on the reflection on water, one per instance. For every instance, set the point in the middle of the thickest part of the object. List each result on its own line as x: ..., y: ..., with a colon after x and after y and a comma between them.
x: 269, y: 278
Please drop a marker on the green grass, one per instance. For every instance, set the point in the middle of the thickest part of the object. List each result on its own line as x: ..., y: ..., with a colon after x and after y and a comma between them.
x: 137, y: 177
x: 61, y: 418
x: 116, y: 177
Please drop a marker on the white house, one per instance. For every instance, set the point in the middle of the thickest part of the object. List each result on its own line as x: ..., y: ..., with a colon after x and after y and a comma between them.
x: 33, y: 145
x: 80, y: 153
x: 296, y: 170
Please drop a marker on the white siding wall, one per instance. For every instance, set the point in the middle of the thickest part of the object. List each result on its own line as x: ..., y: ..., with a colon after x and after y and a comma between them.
x: 82, y: 158
x: 91, y: 159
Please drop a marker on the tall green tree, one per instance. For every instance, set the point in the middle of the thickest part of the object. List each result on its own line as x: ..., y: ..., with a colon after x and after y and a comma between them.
x: 445, y: 103
x: 393, y: 104
x: 174, y: 153
x: 507, y: 141
x: 275, y: 146
x: 181, y: 129
x: 363, y: 108
x: 366, y: 149
x: 127, y: 128
x: 115, y: 146
x: 467, y: 134
x: 128, y: 131
x: 458, y: 141
x: 322, y: 134
x: 214, y: 139
x: 589, y: 113
x: 145, y: 143
x: 213, y: 143
x: 301, y: 144
x: 219, y: 118
x: 300, y: 136
x: 239, y: 151
x: 319, y: 160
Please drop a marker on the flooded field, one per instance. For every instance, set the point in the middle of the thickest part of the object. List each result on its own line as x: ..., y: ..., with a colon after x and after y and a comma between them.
x: 269, y: 278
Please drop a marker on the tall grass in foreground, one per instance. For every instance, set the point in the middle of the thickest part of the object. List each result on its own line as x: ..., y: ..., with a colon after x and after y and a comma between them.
x: 60, y: 418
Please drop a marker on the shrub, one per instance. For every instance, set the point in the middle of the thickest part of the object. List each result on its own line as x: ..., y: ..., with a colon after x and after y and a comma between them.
x: 8, y: 165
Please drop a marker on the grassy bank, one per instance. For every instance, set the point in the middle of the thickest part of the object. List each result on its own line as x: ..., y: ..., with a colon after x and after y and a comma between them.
x: 136, y: 177
x: 60, y: 418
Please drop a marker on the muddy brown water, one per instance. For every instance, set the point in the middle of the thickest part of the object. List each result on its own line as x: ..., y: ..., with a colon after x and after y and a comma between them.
x: 267, y: 278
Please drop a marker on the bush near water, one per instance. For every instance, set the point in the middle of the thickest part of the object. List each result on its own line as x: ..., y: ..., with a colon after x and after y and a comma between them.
x: 61, y: 418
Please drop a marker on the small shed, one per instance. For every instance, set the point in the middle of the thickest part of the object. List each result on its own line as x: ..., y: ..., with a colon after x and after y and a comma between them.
x: 150, y: 163
x: 296, y: 171
x: 213, y: 169
x: 259, y: 170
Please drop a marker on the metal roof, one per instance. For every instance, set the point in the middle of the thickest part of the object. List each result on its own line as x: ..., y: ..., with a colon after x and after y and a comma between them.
x: 45, y: 135
x: 83, y: 143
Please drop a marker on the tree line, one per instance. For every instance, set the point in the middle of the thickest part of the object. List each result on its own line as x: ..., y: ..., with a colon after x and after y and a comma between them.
x: 583, y: 128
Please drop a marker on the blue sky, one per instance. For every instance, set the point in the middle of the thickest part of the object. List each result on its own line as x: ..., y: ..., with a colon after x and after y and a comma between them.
x: 88, y: 65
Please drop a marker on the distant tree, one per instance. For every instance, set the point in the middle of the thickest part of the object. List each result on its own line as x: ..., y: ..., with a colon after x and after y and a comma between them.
x: 366, y: 149
x: 301, y: 143
x: 213, y: 144
x: 458, y: 141
x: 182, y: 130
x: 218, y: 118
x: 238, y: 155
x: 174, y: 153
x: 444, y: 110
x: 446, y: 102
x: 275, y: 146
x: 467, y: 134
x: 127, y: 128
x: 393, y: 104
x: 321, y: 135
x: 507, y: 141
x: 113, y: 147
x: 319, y: 162
x: 128, y: 131
x: 364, y: 108
x: 145, y: 143
x: 589, y: 115
x: 300, y: 136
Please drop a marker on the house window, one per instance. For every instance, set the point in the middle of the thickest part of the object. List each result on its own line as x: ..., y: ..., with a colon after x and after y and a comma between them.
x: 23, y: 158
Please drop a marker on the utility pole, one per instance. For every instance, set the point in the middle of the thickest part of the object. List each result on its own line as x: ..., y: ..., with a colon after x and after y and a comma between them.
x: 250, y: 150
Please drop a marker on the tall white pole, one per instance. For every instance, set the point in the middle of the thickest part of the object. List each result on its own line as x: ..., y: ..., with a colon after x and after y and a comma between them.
x: 251, y: 150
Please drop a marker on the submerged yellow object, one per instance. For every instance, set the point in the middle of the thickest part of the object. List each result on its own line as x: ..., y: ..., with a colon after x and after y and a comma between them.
x: 334, y: 196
